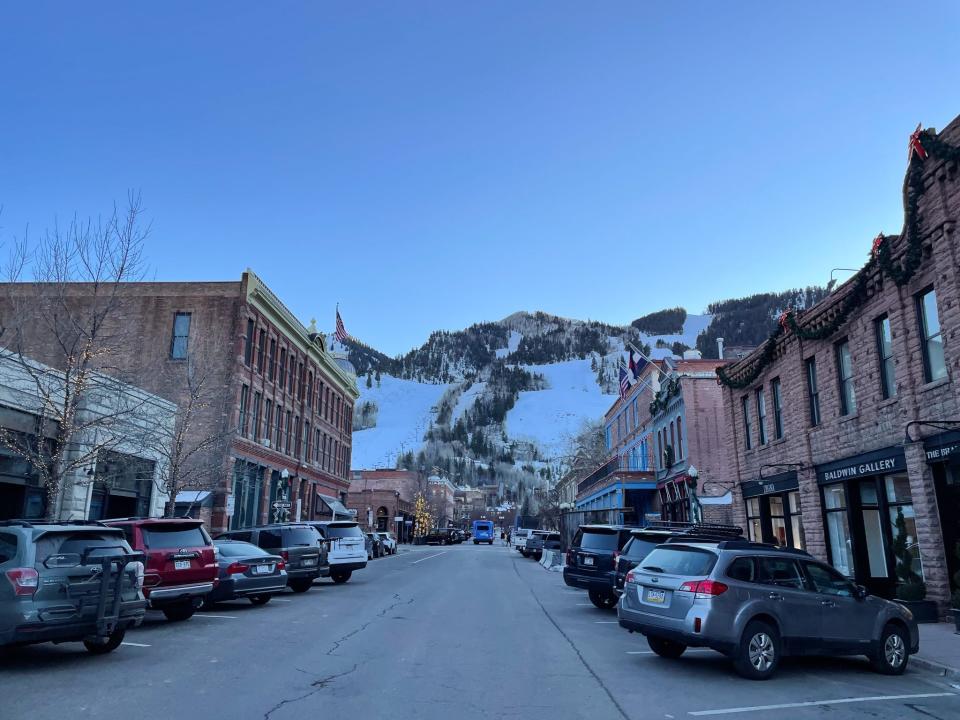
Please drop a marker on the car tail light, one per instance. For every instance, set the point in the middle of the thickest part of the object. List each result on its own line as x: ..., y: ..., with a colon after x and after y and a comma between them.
x: 571, y: 560
x: 631, y: 577
x: 285, y: 555
x: 138, y: 569
x: 281, y: 565
x: 703, y: 589
x: 235, y: 568
x: 24, y: 580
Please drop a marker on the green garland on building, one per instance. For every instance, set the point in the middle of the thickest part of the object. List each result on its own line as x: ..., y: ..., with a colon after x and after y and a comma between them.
x: 664, y: 395
x: 922, y: 144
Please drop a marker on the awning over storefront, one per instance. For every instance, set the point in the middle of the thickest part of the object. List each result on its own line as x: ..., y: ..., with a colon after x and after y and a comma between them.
x: 878, y: 462
x: 944, y: 447
x: 781, y: 482
x: 334, y: 507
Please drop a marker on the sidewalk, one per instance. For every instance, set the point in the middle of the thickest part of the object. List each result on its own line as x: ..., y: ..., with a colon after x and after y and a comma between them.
x: 939, y: 649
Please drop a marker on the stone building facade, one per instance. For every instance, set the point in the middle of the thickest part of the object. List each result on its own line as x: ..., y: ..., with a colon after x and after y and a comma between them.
x: 379, y: 497
x: 844, y: 444
x: 282, y: 402
x: 117, y: 456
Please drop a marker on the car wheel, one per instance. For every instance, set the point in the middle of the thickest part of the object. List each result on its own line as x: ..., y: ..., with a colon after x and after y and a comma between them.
x: 669, y: 649
x: 758, y: 654
x: 109, y: 644
x: 603, y: 599
x: 340, y: 577
x: 300, y: 585
x: 260, y: 599
x: 178, y: 613
x: 892, y: 652
x: 476, y: 542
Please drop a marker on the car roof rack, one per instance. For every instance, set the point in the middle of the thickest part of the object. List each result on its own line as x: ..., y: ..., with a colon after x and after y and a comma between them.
x: 740, y: 545
x: 35, y: 523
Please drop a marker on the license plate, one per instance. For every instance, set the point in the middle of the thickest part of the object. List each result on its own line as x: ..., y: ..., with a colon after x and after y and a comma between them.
x: 588, y: 561
x: 656, y: 596
x: 181, y: 564
x: 309, y: 562
x: 262, y: 569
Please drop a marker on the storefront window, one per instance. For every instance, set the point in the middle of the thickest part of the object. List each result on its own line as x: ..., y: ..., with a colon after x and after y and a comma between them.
x: 777, y: 520
x: 903, y: 521
x: 872, y: 530
x: 753, y: 520
x: 796, y: 521
x: 838, y: 529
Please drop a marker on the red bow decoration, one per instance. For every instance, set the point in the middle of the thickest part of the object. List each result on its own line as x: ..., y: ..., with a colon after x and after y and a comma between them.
x: 784, y: 318
x: 915, y: 145
x: 877, y: 242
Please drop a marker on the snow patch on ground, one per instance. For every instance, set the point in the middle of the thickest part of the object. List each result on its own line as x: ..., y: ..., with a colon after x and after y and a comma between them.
x: 466, y: 400
x: 406, y: 408
x: 551, y: 417
x: 512, y: 344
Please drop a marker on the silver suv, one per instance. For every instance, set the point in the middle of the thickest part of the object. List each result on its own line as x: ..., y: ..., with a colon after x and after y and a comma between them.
x: 756, y: 603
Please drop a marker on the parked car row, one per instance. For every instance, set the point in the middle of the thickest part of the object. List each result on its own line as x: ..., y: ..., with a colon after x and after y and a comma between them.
x: 536, y: 541
x: 446, y: 536
x: 705, y: 586
x: 379, y: 544
x: 92, y: 581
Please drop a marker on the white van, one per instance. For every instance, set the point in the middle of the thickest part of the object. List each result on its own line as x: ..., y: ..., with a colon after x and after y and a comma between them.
x: 347, y: 547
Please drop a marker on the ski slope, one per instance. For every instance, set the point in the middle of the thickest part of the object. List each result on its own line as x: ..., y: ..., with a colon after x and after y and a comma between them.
x: 551, y: 417
x: 406, y: 408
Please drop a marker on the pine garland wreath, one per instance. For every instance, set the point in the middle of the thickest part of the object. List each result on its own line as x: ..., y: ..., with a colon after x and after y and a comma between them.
x: 923, y: 144
x: 663, y: 396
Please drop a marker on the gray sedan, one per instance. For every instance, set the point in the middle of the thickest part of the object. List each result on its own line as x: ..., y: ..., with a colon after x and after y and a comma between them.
x: 247, y: 571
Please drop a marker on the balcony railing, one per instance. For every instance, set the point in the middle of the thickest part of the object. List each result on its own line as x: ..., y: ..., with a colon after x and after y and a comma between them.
x: 602, y: 472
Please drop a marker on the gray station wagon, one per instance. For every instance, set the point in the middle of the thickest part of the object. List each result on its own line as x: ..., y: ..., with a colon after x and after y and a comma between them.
x: 757, y: 603
x: 63, y: 582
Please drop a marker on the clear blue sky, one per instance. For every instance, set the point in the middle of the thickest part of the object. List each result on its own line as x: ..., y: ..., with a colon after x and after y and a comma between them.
x: 433, y: 164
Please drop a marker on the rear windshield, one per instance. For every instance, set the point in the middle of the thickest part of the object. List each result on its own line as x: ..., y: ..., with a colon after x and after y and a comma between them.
x: 343, y: 531
x: 483, y: 528
x: 637, y: 548
x: 240, y: 549
x: 174, y: 537
x: 95, y: 545
x: 597, y: 540
x: 680, y: 561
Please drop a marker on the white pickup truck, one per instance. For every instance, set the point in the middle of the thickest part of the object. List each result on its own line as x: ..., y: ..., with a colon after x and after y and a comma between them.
x: 519, y: 538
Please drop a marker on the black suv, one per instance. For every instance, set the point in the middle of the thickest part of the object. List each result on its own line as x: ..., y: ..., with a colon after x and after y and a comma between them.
x: 300, y: 545
x: 591, y: 558
x: 440, y: 536
x: 68, y: 582
x: 645, y: 539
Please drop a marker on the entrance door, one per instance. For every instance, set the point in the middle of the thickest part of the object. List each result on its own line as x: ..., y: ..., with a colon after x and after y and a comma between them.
x: 947, y: 482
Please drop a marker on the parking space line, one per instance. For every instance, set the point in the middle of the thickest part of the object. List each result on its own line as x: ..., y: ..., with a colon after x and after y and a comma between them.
x: 428, y: 557
x: 584, y: 604
x: 219, y: 617
x: 650, y: 652
x: 133, y: 644
x: 813, y: 703
x: 606, y: 622
x: 276, y: 599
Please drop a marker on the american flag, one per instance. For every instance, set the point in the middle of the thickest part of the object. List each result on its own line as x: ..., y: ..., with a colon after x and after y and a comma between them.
x: 624, y: 382
x: 341, y: 334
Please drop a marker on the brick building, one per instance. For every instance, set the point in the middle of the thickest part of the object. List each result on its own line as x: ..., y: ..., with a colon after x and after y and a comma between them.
x: 844, y: 442
x: 283, y: 403
x: 667, y: 441
x: 381, y: 496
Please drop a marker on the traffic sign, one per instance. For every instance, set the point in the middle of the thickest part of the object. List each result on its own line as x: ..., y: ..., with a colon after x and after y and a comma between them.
x: 282, y: 505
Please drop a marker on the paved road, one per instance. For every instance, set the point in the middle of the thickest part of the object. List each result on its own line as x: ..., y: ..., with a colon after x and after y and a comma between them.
x: 461, y: 632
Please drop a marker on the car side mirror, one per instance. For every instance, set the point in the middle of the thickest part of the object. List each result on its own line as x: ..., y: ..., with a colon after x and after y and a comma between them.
x: 860, y: 592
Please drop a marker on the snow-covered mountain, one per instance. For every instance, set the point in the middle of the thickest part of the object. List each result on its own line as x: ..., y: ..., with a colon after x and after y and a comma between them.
x: 498, y: 400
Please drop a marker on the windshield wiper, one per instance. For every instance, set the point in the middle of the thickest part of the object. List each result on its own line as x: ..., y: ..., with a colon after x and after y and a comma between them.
x: 653, y: 568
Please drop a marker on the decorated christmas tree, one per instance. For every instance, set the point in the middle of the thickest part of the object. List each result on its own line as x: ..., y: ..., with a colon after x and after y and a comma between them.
x: 422, y: 520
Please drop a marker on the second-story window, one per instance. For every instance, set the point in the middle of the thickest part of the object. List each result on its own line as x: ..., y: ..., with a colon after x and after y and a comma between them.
x: 934, y: 364
x: 848, y: 395
x: 180, y: 337
x: 679, y: 438
x: 272, y: 361
x: 777, y: 409
x: 289, y: 429
x: 282, y: 375
x: 278, y: 438
x: 267, y: 421
x: 813, y: 391
x: 762, y: 416
x: 255, y: 417
x: 296, y: 436
x: 888, y: 379
x: 310, y: 390
x: 747, y: 422
x: 248, y: 344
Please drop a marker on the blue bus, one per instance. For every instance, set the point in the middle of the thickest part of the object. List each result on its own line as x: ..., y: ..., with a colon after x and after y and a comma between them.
x: 482, y: 532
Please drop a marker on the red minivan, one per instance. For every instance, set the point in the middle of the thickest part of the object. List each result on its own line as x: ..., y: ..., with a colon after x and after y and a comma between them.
x: 181, y: 565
